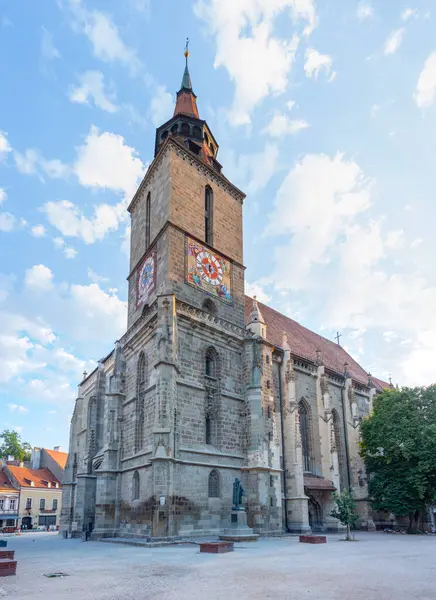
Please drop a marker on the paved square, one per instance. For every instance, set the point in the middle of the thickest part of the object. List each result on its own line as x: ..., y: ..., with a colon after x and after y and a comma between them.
x: 379, y: 566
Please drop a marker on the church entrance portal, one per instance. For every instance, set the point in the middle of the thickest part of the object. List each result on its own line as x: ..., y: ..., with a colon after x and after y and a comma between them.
x: 315, y: 516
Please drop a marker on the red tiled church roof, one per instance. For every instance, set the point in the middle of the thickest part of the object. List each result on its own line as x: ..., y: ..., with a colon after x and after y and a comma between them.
x: 305, y: 343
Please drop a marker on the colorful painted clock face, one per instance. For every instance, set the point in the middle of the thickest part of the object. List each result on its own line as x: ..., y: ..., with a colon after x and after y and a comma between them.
x: 208, y: 271
x: 146, y: 279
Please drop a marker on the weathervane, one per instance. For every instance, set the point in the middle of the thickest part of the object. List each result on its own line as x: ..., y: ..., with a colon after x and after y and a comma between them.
x: 337, y: 337
x: 186, y: 53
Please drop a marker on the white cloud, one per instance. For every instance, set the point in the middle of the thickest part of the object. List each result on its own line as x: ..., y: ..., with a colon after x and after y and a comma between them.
x: 394, y: 41
x: 281, y: 125
x: 395, y: 239
x: 257, y: 62
x: 39, y: 278
x: 105, y: 161
x: 32, y: 162
x: 96, y: 278
x: 7, y: 222
x: 92, y: 88
x: 4, y: 145
x: 48, y: 49
x: 318, y: 198
x: 18, y: 408
x: 68, y: 251
x: 103, y: 35
x: 425, y: 94
x: 255, y: 289
x: 290, y: 104
x: 416, y: 242
x: 125, y: 244
x: 253, y: 171
x: 409, y: 13
x: 38, y: 231
x: 3, y: 195
x: 364, y: 11
x: 315, y: 62
x: 161, y: 106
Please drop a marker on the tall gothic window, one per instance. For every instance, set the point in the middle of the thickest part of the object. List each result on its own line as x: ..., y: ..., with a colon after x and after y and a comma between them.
x: 208, y: 429
x: 340, y: 450
x: 208, y: 215
x: 147, y: 220
x: 135, y: 486
x: 214, y: 484
x: 210, y: 363
x: 141, y: 385
x: 306, y: 438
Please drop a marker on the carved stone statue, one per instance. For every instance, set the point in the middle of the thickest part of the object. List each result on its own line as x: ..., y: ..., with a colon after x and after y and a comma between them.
x: 238, y: 493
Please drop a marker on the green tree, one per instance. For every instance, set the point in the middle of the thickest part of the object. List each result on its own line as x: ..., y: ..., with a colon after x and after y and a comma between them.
x: 12, y: 445
x: 399, y: 449
x: 345, y: 510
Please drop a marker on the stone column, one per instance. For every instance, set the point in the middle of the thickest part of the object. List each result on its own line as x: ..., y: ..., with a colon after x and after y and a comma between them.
x: 164, y: 434
x: 297, y: 501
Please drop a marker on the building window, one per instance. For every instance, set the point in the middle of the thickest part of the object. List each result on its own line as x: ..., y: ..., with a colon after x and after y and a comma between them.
x: 2, y: 504
x: 185, y: 129
x: 305, y: 432
x: 42, y: 504
x: 135, y: 494
x: 270, y: 436
x: 269, y: 412
x: 29, y: 503
x: 267, y: 359
x: 147, y: 220
x: 208, y: 215
x: 208, y: 430
x: 55, y: 504
x: 271, y: 481
x: 12, y: 504
x: 214, y: 484
x: 210, y: 364
x: 141, y: 385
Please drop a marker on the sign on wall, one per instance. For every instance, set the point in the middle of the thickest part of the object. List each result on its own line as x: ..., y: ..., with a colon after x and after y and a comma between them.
x: 145, y: 279
x: 208, y: 271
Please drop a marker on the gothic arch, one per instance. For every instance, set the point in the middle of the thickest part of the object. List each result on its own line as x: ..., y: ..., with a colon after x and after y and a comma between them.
x: 208, y: 215
x: 147, y: 220
x: 135, y: 486
x: 214, y: 484
x: 211, y: 362
x: 211, y: 370
x: 305, y: 415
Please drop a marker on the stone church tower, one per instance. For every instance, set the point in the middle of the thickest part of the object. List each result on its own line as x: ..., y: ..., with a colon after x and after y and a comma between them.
x: 207, y: 385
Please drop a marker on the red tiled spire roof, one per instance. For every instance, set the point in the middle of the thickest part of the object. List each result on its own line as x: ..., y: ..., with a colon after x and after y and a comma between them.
x: 186, y: 103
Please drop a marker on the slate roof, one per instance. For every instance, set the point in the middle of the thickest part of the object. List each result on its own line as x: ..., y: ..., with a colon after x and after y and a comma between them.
x: 40, y: 477
x: 59, y: 457
x: 305, y: 343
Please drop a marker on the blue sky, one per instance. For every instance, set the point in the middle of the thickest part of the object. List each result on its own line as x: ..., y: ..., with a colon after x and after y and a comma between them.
x: 325, y: 114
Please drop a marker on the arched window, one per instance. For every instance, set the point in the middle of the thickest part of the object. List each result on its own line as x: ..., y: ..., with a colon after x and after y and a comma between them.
x: 164, y: 135
x: 210, y: 363
x: 147, y: 220
x: 208, y: 215
x: 185, y: 129
x: 135, y: 486
x: 196, y: 132
x: 174, y: 129
x: 214, y: 484
x: 141, y: 385
x: 340, y: 450
x: 209, y: 306
x: 306, y: 440
x: 208, y: 430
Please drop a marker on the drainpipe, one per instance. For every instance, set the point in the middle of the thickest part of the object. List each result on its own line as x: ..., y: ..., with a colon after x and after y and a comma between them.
x: 282, y: 421
x: 344, y: 419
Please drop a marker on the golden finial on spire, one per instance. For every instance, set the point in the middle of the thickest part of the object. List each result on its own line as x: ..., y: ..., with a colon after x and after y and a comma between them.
x: 186, y: 52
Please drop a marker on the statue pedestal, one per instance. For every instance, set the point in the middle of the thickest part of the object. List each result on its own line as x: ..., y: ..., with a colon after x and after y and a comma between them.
x: 238, y: 530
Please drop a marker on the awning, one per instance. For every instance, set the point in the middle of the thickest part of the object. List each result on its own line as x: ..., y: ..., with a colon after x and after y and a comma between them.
x: 318, y: 483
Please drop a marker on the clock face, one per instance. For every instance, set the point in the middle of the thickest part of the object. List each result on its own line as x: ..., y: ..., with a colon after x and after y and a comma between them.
x: 209, y: 268
x: 146, y: 278
x: 208, y: 271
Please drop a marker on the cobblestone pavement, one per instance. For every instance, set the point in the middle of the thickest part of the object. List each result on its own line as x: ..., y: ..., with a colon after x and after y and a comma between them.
x: 378, y: 566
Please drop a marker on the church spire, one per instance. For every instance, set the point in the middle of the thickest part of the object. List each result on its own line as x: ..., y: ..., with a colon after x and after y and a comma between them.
x: 186, y: 103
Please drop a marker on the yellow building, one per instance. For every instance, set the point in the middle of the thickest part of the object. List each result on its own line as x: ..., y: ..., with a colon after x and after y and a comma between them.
x: 40, y: 496
x: 9, y: 500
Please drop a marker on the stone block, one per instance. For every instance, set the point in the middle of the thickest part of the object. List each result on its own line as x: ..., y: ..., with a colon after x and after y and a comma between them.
x: 216, y: 547
x: 313, y: 539
x: 7, y: 567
